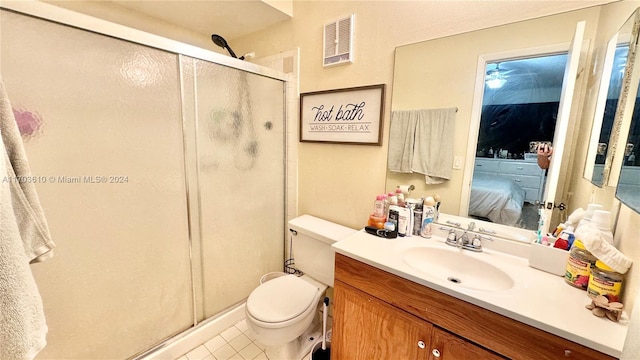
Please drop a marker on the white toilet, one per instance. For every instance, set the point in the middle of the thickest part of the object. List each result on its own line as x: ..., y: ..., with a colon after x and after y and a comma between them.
x: 281, y: 311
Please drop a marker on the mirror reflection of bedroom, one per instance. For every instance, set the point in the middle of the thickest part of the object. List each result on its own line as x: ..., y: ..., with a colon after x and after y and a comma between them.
x: 519, y: 110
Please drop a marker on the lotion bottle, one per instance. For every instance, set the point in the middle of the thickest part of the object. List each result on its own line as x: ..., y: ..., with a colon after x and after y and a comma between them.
x: 378, y: 206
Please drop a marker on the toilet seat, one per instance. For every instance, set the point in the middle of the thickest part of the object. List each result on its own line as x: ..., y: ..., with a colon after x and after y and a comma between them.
x: 281, y: 299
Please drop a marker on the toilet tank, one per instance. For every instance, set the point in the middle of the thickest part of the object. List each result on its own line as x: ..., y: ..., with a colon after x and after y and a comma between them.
x: 312, y: 245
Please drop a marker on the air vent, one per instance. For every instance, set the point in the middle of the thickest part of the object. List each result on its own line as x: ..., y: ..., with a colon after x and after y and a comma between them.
x: 338, y: 42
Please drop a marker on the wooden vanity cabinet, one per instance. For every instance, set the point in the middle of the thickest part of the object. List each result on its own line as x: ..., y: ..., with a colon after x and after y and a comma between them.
x: 369, y: 328
x: 447, y: 346
x: 374, y: 329
x: 378, y: 315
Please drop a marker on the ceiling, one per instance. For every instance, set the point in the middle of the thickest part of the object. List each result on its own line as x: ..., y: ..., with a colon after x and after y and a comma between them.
x: 229, y: 19
x: 233, y: 19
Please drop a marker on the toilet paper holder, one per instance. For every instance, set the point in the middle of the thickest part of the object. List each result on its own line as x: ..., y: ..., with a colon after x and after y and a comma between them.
x: 406, y: 189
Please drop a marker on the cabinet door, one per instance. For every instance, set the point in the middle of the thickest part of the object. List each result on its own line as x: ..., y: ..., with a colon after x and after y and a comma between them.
x: 365, y: 327
x: 446, y: 346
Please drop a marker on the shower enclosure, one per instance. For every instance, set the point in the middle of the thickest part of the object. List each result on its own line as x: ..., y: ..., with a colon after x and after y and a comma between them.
x: 161, y: 173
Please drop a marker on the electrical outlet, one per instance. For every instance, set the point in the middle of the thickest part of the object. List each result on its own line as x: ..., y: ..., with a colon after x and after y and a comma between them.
x: 457, y: 162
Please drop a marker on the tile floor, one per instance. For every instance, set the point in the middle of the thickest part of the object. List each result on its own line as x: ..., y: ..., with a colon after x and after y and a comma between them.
x: 235, y: 343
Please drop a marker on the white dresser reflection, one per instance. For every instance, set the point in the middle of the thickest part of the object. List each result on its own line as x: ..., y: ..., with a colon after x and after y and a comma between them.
x: 527, y: 174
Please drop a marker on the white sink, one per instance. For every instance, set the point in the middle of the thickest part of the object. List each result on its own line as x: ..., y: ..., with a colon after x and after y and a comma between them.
x: 457, y: 267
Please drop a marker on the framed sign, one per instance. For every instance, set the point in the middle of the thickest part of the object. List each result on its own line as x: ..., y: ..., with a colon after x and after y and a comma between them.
x: 343, y: 116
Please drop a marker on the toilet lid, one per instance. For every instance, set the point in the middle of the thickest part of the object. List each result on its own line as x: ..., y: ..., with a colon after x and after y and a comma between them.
x: 281, y: 299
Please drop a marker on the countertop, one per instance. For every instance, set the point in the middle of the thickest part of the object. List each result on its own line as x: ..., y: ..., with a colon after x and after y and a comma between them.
x: 538, y: 299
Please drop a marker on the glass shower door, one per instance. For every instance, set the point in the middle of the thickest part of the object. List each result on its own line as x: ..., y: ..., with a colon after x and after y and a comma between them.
x: 101, y: 120
x: 241, y: 177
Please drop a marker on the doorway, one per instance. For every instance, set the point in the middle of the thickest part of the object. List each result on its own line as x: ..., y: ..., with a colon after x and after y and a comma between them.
x: 520, y: 103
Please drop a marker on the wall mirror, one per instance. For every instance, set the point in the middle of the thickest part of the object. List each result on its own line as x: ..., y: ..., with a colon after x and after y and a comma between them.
x: 609, y: 93
x: 464, y: 64
x: 628, y: 188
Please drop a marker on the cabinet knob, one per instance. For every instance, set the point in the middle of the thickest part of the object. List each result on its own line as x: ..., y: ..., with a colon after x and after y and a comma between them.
x: 567, y: 353
x: 421, y: 344
x: 436, y: 353
x: 520, y: 168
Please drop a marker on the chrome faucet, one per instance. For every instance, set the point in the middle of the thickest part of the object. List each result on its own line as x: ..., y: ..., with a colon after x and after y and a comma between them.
x: 463, y: 242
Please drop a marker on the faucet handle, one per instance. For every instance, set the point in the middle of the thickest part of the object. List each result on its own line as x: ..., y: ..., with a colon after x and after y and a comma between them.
x: 476, y: 242
x: 452, y: 237
x: 471, y: 226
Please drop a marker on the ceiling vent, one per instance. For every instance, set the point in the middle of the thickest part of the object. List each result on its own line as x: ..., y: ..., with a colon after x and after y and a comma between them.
x: 338, y: 42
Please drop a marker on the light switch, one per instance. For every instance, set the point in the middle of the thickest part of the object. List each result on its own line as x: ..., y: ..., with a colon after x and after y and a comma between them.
x: 457, y: 162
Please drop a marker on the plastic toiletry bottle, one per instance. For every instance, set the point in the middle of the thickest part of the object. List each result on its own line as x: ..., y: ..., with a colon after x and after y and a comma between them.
x: 378, y: 206
x: 601, y: 219
x: 400, y: 197
x: 393, y: 199
x: 385, y: 199
x: 428, y: 214
x: 586, y: 218
x: 568, y: 235
x: 389, y: 226
x: 405, y: 226
x: 394, y: 216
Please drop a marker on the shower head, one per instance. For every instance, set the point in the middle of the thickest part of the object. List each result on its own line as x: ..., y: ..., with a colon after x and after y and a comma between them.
x: 220, y: 41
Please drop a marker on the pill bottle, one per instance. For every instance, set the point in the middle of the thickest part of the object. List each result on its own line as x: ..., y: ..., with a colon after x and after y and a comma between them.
x: 579, y: 266
x: 606, y: 282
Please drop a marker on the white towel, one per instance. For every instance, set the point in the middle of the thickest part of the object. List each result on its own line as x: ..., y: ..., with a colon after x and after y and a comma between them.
x: 433, y: 148
x: 401, y: 140
x: 24, y: 238
x: 422, y: 141
x: 591, y: 237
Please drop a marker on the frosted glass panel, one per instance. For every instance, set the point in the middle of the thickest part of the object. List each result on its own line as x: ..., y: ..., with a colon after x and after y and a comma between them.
x: 103, y: 110
x: 240, y: 144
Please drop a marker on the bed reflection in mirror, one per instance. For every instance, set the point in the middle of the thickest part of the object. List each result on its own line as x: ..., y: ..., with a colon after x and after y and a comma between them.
x: 518, y: 113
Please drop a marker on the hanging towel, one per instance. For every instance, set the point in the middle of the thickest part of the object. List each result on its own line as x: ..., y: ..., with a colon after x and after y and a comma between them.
x: 433, y: 149
x: 401, y: 140
x: 422, y: 141
x: 24, y: 238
